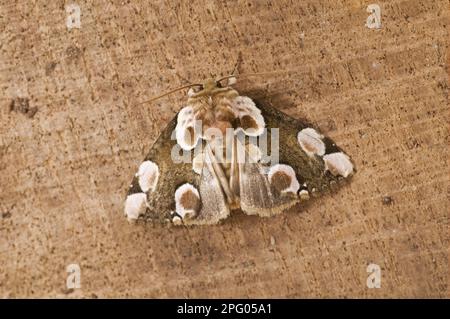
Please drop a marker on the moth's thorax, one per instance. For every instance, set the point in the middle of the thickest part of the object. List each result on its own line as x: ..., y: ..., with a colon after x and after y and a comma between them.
x: 214, y: 108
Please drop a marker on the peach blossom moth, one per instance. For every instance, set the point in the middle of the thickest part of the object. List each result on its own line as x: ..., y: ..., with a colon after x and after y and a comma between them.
x: 226, y: 170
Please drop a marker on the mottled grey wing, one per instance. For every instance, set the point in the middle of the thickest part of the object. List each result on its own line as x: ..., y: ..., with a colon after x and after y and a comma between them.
x: 312, y: 171
x: 261, y: 193
x: 257, y: 195
x: 214, y: 206
x: 151, y: 196
x: 160, y: 200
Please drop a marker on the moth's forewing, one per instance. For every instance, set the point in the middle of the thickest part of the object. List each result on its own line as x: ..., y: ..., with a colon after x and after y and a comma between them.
x: 310, y: 170
x: 171, y: 176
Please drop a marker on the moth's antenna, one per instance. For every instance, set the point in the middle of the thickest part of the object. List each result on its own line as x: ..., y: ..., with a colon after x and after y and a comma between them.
x: 169, y: 92
x: 219, y: 80
x: 265, y: 73
x: 251, y: 74
x: 227, y: 77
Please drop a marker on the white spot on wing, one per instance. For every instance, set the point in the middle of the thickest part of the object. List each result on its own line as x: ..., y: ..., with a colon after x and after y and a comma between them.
x: 186, y: 121
x: 135, y: 205
x: 176, y: 220
x: 244, y: 106
x: 311, y: 142
x: 148, y: 175
x: 180, y: 209
x: 304, y: 194
x: 288, y: 170
x: 338, y: 164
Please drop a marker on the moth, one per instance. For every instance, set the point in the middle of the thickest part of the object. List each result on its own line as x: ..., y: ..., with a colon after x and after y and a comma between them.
x: 225, y: 170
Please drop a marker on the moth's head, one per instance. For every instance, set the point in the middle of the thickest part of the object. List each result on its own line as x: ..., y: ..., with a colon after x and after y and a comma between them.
x: 211, y: 86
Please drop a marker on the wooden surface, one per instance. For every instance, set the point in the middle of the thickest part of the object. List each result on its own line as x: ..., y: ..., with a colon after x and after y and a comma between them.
x: 64, y: 166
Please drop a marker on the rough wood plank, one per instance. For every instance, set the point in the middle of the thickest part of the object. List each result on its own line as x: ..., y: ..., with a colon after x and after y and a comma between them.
x: 381, y: 94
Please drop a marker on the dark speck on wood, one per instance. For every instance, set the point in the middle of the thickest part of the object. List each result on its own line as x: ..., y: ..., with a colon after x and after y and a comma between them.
x: 387, y: 200
x: 22, y: 105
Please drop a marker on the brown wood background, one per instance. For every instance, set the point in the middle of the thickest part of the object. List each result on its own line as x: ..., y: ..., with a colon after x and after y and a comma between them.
x: 380, y: 94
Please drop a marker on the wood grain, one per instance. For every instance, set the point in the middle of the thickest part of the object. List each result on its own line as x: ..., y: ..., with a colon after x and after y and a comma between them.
x: 380, y: 94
